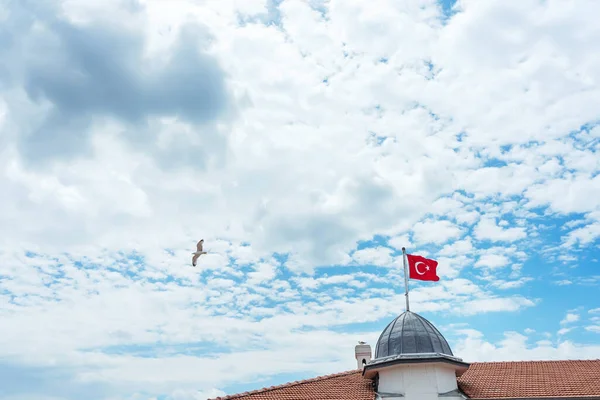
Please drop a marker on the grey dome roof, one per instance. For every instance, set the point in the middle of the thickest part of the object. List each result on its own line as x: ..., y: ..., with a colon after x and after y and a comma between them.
x: 409, y: 333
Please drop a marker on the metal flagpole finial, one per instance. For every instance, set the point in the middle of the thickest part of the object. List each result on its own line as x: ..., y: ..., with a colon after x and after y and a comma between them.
x: 405, y: 278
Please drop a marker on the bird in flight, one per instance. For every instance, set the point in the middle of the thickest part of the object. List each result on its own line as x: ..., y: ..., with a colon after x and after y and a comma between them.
x: 198, y: 252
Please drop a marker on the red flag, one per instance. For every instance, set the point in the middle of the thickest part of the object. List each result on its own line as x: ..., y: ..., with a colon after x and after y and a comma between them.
x: 421, y: 268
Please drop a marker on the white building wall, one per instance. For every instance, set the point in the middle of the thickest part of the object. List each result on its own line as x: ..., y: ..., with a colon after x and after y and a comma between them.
x: 418, y: 381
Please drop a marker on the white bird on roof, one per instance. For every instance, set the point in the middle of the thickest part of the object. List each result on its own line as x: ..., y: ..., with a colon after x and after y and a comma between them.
x: 198, y: 252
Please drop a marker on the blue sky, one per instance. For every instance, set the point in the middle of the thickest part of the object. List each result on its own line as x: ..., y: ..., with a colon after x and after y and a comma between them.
x: 307, y: 142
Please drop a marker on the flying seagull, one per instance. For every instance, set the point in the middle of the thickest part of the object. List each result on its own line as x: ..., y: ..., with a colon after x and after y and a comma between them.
x: 361, y: 342
x: 198, y: 252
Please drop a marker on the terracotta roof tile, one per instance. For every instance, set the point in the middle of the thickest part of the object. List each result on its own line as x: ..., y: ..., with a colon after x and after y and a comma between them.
x: 349, y: 385
x: 485, y: 380
x: 529, y: 379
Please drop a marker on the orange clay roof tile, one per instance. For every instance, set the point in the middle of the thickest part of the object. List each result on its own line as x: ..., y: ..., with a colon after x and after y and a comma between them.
x: 483, y: 380
x: 531, y: 379
x: 349, y: 385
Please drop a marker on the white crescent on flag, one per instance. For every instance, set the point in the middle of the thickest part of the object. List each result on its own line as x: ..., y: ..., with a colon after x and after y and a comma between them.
x: 417, y: 267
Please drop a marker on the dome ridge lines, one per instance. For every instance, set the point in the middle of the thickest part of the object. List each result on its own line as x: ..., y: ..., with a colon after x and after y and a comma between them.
x: 381, y: 336
x: 445, y: 345
x: 401, y: 341
x: 428, y: 335
x: 437, y: 336
x: 390, y: 334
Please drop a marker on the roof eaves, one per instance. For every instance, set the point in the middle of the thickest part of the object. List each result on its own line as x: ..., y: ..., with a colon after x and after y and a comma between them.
x: 453, y: 393
x: 414, y: 359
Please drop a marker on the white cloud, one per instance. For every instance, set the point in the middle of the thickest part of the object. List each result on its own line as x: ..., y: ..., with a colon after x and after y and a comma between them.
x: 564, y: 331
x: 438, y: 232
x: 515, y: 347
x: 263, y: 272
x: 487, y: 229
x: 445, y: 206
x: 468, y: 217
x: 490, y: 181
x: 380, y: 256
x: 495, y: 304
x: 190, y: 394
x: 514, y: 284
x: 564, y: 282
x: 584, y: 235
x: 593, y: 328
x: 450, y: 267
x: 574, y: 194
x: 463, y: 246
x: 570, y: 318
x: 400, y: 241
x: 492, y: 261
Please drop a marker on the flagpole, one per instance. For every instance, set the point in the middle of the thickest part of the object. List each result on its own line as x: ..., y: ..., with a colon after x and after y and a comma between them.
x: 405, y: 278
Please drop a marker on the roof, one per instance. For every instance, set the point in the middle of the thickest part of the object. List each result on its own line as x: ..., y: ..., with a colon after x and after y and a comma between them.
x: 348, y: 385
x: 409, y: 333
x: 483, y: 380
x: 532, y: 379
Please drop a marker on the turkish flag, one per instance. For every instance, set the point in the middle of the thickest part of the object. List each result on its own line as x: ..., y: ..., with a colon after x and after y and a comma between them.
x: 421, y: 268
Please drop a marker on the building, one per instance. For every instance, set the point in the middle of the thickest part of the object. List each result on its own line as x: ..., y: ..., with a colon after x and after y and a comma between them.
x: 413, y: 361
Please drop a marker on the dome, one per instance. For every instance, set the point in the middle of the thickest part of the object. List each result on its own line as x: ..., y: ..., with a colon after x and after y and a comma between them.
x: 410, y: 333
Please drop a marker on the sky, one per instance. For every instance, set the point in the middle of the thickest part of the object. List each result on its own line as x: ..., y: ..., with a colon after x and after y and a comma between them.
x: 307, y: 142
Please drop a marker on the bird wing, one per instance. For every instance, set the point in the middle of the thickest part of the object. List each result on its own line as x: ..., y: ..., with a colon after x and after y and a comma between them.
x: 199, y: 246
x: 194, y: 259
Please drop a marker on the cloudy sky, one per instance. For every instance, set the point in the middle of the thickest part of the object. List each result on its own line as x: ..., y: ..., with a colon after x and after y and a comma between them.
x: 306, y: 141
